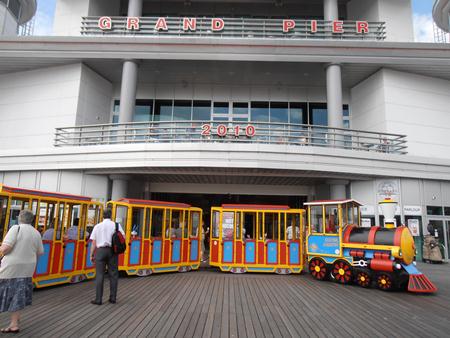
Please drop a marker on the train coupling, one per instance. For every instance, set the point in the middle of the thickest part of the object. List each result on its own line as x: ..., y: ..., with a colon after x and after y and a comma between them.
x: 361, y: 263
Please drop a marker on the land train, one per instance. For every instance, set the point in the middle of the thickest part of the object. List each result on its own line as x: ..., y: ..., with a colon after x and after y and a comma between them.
x: 167, y: 236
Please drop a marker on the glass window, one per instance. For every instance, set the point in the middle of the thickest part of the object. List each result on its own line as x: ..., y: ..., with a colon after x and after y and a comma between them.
x: 163, y: 110
x: 143, y: 111
x: 195, y: 219
x: 434, y: 210
x: 176, y: 224
x: 227, y: 225
x: 238, y: 225
x: 220, y: 108
x: 318, y: 114
x: 121, y: 216
x: 3, y: 209
x: 293, y: 226
x: 271, y: 226
x: 316, y: 218
x: 297, y: 113
x: 259, y: 111
x: 201, y: 111
x: 215, y: 224
x: 157, y: 223
x: 137, y: 222
x: 16, y: 207
x: 240, y: 108
x: 332, y: 219
x: 14, y: 6
x: 185, y: 224
x: 279, y: 112
x: 249, y: 228
x: 182, y: 110
x: 447, y: 211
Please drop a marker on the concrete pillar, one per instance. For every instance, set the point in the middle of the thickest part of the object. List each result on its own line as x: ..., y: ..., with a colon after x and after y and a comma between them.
x: 330, y: 10
x: 135, y: 7
x: 337, y: 189
x: 147, y: 191
x: 334, y: 96
x: 119, y: 187
x: 128, y: 91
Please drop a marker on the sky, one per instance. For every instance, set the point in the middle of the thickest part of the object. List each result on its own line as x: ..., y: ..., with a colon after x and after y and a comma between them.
x: 423, y: 21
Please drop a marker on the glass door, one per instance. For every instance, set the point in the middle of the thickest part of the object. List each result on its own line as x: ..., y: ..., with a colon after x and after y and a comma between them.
x: 441, y: 232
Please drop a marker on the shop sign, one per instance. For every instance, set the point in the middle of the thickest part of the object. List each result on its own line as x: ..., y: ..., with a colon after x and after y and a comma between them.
x: 105, y: 23
x: 412, y: 210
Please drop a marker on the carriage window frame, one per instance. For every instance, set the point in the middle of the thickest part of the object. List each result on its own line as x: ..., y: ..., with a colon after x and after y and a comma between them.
x: 215, y: 224
x: 154, y: 227
x: 3, y: 214
x: 245, y: 234
x: 185, y: 228
x: 291, y: 220
x: 195, y: 233
x: 274, y: 227
x: 321, y: 227
x: 140, y: 227
x: 147, y: 222
x: 282, y: 226
x: 238, y: 225
x: 328, y: 218
x: 260, y: 226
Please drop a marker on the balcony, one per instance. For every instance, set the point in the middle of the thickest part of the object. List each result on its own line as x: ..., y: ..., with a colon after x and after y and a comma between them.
x: 240, y: 28
x: 287, y: 134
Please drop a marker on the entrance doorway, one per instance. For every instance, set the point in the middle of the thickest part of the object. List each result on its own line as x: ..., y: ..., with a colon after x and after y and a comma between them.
x: 441, y: 230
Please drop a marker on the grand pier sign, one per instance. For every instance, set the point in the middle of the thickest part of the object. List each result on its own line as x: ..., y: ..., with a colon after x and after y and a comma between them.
x: 234, y: 27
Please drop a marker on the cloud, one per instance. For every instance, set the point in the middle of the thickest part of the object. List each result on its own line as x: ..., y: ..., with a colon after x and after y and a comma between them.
x: 423, y: 28
x: 43, y: 24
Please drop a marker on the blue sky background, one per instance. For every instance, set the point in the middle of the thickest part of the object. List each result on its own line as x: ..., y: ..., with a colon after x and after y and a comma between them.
x: 423, y: 21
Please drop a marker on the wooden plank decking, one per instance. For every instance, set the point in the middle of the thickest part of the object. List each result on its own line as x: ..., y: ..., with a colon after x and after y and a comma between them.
x: 212, y: 304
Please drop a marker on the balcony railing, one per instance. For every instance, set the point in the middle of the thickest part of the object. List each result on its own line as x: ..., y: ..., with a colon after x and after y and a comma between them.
x: 230, y: 132
x: 243, y: 28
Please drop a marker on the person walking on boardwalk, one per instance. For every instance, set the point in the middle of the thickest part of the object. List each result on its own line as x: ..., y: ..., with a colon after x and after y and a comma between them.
x: 20, y: 248
x: 103, y: 256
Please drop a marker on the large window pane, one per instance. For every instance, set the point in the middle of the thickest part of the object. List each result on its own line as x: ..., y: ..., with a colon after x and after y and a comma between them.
x: 201, y: 111
x: 220, y: 108
x: 182, y: 110
x: 279, y: 112
x: 318, y: 114
x: 240, y: 107
x: 143, y: 110
x: 297, y: 113
x: 259, y: 111
x: 163, y: 110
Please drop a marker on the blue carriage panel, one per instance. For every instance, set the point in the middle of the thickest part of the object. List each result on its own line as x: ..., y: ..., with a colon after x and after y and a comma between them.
x: 156, y: 251
x: 135, y: 252
x: 250, y: 248
x: 43, y: 260
x: 69, y: 257
x: 176, y: 250
x: 326, y: 245
x: 272, y: 253
x: 294, y: 254
x: 227, y: 252
x: 89, y: 263
x: 193, y: 255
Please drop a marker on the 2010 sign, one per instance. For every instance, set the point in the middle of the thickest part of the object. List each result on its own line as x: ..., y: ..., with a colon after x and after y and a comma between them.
x: 222, y: 130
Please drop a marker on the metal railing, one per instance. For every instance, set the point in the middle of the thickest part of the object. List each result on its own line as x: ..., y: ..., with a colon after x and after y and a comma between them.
x: 230, y: 132
x: 234, y: 28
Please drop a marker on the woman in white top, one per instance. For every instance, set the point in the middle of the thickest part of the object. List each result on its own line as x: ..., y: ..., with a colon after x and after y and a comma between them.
x: 20, y: 248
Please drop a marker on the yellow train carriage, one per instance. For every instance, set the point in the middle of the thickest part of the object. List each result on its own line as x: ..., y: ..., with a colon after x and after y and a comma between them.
x: 160, y: 236
x: 65, y: 222
x: 257, y: 238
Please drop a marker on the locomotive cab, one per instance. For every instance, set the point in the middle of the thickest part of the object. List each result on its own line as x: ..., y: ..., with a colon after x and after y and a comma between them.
x: 339, y: 249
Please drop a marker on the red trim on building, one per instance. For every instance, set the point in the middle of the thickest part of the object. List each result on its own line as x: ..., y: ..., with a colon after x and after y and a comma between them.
x: 154, y: 203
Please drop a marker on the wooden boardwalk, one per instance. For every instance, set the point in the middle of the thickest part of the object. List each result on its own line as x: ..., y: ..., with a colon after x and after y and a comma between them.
x: 212, y: 304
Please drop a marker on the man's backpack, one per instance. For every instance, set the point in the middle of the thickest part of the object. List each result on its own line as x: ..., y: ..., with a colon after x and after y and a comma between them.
x: 118, y: 241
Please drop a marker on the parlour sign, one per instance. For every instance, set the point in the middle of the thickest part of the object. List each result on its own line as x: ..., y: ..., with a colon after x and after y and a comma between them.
x: 189, y: 24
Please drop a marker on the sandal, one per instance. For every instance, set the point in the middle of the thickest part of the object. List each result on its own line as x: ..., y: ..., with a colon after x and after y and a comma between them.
x: 9, y: 330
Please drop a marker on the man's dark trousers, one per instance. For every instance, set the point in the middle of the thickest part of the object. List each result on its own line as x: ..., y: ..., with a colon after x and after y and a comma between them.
x: 105, y: 257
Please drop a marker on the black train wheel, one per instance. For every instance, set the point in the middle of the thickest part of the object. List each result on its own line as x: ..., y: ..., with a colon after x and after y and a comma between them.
x: 318, y: 268
x: 342, y: 272
x: 385, y: 281
x: 363, y: 279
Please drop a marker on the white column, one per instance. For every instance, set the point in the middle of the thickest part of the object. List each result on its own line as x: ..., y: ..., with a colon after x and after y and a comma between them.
x: 119, y: 187
x: 337, y: 189
x: 135, y: 8
x: 334, y: 96
x: 128, y: 90
x: 330, y: 10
